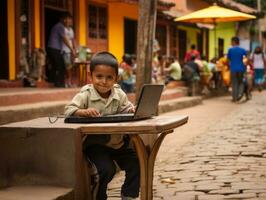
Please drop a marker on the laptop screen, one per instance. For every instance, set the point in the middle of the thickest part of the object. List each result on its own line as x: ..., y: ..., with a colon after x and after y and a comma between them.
x: 148, y: 101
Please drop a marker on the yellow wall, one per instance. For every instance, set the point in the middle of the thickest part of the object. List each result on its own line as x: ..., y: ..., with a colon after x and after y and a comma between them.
x: 225, y: 31
x: 11, y: 38
x: 191, y: 35
x: 37, y: 22
x: 117, y: 12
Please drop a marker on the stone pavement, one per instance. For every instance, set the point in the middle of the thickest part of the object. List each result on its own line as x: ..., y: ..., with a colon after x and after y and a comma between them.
x: 228, y: 161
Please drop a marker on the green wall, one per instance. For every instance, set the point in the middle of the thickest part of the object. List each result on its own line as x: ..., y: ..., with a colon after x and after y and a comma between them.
x: 225, y: 31
x: 191, y: 34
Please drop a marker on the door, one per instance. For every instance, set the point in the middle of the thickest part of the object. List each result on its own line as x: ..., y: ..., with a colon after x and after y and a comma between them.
x: 161, y: 37
x: 130, y: 36
x: 220, y: 47
x: 4, y: 68
x: 200, y: 42
x: 173, y: 41
x: 182, y: 45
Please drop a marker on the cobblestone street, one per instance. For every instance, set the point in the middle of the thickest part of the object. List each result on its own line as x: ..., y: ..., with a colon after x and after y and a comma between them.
x: 223, y: 158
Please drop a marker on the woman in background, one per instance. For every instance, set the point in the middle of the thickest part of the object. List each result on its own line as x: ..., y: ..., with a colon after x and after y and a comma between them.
x: 259, y: 67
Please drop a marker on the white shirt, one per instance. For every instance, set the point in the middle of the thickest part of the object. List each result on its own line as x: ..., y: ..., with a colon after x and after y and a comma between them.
x: 258, y: 61
x: 69, y: 33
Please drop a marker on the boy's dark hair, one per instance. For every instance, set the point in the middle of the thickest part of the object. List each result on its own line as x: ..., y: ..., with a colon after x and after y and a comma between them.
x: 235, y: 40
x: 104, y: 58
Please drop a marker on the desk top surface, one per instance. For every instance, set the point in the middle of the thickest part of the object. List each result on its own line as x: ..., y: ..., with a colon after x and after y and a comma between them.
x: 157, y: 124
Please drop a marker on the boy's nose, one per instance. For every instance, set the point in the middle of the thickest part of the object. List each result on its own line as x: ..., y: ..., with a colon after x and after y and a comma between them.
x: 104, y: 80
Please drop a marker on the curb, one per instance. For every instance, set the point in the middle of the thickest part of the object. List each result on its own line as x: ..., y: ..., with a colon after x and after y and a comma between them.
x: 179, y: 103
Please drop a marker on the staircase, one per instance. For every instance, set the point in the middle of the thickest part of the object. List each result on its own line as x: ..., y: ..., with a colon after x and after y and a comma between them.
x: 20, y: 104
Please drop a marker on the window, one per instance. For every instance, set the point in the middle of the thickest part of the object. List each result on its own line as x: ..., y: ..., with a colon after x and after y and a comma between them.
x: 57, y: 3
x: 97, y: 22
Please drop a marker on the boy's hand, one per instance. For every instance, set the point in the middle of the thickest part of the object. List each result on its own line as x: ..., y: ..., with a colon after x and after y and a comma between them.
x: 90, y: 112
x: 132, y: 109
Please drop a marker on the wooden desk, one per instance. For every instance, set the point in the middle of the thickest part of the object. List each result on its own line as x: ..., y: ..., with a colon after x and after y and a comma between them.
x: 161, y: 125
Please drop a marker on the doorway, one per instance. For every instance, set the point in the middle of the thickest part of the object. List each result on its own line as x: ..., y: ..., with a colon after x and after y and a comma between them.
x: 220, y: 47
x: 130, y: 36
x: 51, y: 18
x: 4, y: 72
x: 182, y: 45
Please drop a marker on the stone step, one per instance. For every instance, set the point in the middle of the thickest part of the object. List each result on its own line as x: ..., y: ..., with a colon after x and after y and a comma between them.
x: 19, y: 96
x: 179, y: 103
x: 25, y: 112
x: 36, y: 193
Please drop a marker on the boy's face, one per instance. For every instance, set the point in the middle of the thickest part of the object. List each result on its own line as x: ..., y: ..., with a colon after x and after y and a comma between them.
x: 103, y: 79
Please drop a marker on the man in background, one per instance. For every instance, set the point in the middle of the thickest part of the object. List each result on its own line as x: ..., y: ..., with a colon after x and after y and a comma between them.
x: 55, y: 50
x: 237, y: 68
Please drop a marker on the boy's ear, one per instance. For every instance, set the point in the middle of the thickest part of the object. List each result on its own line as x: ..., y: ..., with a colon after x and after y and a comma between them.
x: 117, y: 78
x: 89, y: 77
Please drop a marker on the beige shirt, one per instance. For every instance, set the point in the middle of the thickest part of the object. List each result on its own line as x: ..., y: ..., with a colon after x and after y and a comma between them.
x: 88, y: 97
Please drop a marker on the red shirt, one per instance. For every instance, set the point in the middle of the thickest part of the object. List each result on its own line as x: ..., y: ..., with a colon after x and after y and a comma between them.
x: 190, y: 53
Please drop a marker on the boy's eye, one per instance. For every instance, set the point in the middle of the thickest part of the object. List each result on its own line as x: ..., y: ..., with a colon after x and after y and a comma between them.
x: 99, y: 76
x: 110, y: 78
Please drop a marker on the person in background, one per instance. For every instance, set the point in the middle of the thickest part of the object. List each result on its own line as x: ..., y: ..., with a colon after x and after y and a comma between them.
x: 248, y: 78
x: 237, y: 68
x: 105, y: 97
x: 258, y: 61
x: 55, y: 51
x: 191, y: 74
x: 68, y: 52
x: 174, y: 71
x: 127, y: 76
x: 205, y: 75
x: 225, y: 70
x: 192, y: 51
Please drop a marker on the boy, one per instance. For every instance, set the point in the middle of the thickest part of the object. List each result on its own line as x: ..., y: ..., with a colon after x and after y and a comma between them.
x: 104, y: 97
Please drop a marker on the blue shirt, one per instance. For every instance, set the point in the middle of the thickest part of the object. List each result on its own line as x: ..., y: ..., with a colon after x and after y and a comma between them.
x: 235, y: 56
x: 56, y: 36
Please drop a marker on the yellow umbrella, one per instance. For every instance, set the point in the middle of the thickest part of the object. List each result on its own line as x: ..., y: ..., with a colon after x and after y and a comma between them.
x: 214, y: 14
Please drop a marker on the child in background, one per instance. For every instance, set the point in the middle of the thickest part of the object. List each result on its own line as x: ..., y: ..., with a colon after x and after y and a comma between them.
x: 128, y: 78
x: 248, y: 78
x: 105, y: 97
x: 258, y: 60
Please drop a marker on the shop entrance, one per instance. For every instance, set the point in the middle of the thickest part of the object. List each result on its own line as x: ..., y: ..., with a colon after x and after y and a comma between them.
x: 51, y: 18
x: 4, y: 72
x: 130, y: 36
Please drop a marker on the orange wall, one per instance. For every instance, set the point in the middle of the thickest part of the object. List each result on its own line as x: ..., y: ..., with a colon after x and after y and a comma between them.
x: 117, y: 12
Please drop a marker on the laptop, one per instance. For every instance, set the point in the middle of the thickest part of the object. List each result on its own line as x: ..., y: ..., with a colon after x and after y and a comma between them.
x: 146, y: 108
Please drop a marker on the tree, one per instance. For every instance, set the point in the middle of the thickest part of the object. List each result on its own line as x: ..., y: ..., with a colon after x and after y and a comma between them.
x: 146, y: 31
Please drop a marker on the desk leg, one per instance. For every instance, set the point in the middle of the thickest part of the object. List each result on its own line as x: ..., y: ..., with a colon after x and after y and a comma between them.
x: 147, y: 160
x: 82, y: 186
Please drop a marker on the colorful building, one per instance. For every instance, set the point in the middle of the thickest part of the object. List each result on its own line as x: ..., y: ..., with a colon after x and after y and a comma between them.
x: 100, y: 25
